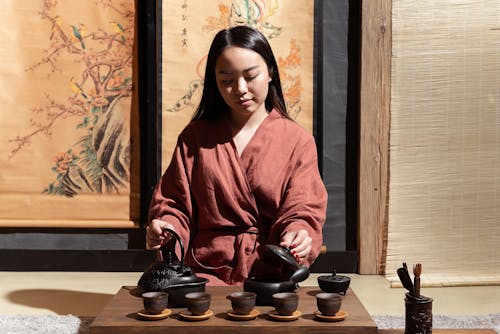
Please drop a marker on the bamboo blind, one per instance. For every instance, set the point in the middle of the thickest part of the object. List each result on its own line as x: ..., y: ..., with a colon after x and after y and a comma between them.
x: 444, y: 188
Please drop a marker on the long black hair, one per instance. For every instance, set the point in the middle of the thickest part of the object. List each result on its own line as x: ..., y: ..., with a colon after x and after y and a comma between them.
x: 212, y: 104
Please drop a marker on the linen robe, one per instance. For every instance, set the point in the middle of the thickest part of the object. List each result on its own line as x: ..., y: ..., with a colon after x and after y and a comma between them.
x: 225, y: 206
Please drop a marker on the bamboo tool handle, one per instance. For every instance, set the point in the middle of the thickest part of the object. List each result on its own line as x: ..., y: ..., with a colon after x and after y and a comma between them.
x: 417, y: 271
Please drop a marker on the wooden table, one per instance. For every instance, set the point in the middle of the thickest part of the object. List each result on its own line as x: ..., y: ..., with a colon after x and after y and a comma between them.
x: 120, y: 316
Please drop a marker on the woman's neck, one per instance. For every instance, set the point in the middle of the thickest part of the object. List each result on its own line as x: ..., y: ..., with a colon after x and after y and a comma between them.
x: 247, y: 122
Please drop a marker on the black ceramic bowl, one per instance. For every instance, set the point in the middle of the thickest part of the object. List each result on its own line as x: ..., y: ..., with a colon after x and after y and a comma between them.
x: 334, y: 283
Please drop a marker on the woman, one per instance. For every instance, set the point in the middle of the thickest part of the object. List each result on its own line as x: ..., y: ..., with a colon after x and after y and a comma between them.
x: 243, y: 174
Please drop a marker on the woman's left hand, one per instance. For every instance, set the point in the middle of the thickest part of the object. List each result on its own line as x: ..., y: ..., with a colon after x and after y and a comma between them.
x: 299, y: 242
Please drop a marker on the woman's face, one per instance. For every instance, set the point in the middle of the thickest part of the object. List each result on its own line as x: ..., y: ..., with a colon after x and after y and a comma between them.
x: 243, y: 80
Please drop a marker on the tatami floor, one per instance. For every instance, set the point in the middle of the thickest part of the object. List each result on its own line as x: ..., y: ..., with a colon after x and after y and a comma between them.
x: 86, y: 294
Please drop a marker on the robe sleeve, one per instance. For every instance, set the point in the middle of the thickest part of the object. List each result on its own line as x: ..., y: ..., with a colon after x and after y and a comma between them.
x: 304, y: 201
x: 171, y: 199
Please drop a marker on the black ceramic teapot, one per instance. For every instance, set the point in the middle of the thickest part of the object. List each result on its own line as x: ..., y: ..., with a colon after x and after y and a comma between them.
x: 289, y: 272
x: 334, y: 283
x: 169, y: 274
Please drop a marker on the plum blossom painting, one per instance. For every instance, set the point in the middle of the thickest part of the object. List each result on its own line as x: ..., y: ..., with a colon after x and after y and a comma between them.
x: 68, y: 114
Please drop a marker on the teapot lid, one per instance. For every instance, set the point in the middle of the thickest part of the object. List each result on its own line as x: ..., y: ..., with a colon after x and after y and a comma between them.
x: 336, y: 278
x: 280, y: 254
x: 292, y: 270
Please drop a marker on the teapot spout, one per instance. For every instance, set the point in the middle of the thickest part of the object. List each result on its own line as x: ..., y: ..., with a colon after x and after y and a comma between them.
x: 300, y: 274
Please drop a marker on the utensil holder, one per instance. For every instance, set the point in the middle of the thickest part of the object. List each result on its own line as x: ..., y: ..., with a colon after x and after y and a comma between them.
x: 418, y: 318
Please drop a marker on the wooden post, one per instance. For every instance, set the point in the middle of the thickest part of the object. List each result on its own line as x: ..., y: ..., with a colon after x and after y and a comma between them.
x: 374, y: 134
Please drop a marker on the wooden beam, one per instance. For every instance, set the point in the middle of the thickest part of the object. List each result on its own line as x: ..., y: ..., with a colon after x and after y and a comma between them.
x: 375, y: 89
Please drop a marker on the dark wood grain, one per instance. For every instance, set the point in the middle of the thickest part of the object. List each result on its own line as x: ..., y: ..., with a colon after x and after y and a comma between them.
x: 120, y: 316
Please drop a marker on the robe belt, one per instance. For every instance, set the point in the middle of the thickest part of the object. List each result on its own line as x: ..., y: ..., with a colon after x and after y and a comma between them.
x: 238, y: 230
x: 235, y: 229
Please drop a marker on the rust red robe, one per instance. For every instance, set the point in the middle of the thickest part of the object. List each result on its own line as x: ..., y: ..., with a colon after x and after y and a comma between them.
x: 225, y: 206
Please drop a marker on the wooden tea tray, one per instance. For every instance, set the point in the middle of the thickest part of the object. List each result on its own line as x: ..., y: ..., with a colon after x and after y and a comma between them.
x: 120, y: 316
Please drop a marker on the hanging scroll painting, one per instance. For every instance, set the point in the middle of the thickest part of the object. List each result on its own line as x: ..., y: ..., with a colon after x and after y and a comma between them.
x: 187, y: 29
x: 68, y: 114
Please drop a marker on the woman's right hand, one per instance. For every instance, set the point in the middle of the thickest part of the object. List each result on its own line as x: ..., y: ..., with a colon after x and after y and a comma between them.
x: 155, y: 235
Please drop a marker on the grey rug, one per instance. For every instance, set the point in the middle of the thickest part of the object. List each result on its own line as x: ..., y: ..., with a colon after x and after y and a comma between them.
x: 44, y: 324
x: 491, y: 321
x: 70, y: 324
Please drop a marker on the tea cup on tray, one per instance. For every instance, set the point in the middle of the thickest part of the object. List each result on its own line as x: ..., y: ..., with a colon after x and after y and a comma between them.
x: 198, y: 303
x: 243, y: 302
x: 328, y: 303
x: 286, y: 303
x: 155, y: 302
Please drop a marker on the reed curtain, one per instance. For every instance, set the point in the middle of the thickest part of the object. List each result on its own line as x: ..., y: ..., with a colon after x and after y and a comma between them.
x: 187, y: 29
x: 444, y: 188
x: 68, y: 113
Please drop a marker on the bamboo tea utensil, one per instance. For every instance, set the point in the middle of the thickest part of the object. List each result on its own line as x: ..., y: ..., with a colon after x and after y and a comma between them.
x: 417, y: 270
x: 405, y: 278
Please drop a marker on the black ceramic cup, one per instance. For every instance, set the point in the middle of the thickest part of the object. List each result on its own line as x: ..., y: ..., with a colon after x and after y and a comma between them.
x: 242, y: 302
x: 155, y: 302
x: 286, y: 303
x: 328, y: 303
x: 198, y: 302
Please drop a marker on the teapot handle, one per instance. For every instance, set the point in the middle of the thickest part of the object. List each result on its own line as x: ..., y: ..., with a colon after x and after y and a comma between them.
x: 159, y: 254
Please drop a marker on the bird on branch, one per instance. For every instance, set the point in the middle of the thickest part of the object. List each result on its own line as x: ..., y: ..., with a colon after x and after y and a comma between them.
x: 118, y: 29
x: 79, y: 34
x: 75, y: 87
